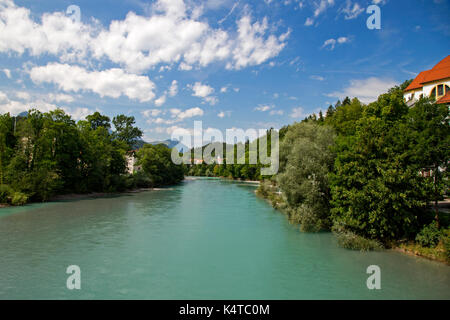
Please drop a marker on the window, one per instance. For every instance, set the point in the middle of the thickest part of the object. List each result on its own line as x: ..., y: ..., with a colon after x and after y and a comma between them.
x: 447, y: 89
x: 440, y: 90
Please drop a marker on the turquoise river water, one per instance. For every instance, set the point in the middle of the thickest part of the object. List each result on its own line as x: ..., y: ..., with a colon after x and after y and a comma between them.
x: 204, y: 239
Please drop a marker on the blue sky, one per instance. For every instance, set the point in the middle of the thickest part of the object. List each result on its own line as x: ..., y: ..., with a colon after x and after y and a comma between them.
x: 231, y: 64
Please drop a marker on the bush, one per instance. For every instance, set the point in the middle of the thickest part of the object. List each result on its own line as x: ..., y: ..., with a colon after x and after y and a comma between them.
x: 446, y: 242
x: 429, y: 236
x: 349, y: 240
x: 19, y: 199
x: 142, y: 180
x: 5, y: 193
x: 308, y: 219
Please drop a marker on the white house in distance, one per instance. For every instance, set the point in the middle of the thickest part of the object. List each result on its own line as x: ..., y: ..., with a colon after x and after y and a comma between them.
x: 131, y: 160
x: 433, y: 83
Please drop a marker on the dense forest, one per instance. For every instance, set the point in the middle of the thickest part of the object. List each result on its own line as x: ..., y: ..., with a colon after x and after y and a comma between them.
x: 46, y: 154
x: 372, y: 173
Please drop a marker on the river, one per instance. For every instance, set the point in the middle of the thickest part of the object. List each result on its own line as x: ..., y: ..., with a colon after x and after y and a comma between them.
x: 203, y: 239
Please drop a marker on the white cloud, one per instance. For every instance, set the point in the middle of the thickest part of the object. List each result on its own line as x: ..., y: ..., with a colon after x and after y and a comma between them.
x: 184, y: 66
x: 151, y: 113
x: 78, y: 113
x: 322, y: 6
x: 189, y: 113
x: 309, y: 22
x: 332, y: 42
x: 60, y: 97
x: 221, y: 114
x: 7, y: 73
x: 173, y: 90
x: 176, y: 115
x: 318, y: 78
x: 223, y: 89
x: 110, y: 83
x: 203, y: 91
x: 170, y: 34
x: 251, y: 47
x: 297, y: 113
x: 351, y: 10
x: 276, y: 112
x: 160, y: 101
x: 366, y: 90
x: 263, y: 108
x: 55, y: 34
x: 14, y: 107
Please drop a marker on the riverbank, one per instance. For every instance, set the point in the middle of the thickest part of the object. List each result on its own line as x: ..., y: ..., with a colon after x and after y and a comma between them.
x: 439, y: 253
x: 78, y: 196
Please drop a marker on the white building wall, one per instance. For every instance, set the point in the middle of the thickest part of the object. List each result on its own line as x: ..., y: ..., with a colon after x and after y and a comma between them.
x: 425, y: 90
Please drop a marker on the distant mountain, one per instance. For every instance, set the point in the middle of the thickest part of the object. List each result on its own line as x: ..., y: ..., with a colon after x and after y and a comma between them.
x: 172, y: 144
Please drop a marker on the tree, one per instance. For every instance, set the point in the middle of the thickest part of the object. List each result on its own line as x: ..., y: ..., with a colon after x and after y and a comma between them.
x: 429, y: 124
x: 96, y: 120
x: 156, y: 161
x: 377, y: 192
x: 306, y: 159
x: 125, y: 130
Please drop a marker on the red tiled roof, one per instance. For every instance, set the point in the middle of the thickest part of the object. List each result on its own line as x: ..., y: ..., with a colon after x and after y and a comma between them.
x: 438, y: 72
x: 417, y: 82
x: 444, y: 99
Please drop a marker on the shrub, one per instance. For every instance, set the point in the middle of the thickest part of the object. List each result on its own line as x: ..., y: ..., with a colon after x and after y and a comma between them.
x: 429, y: 236
x: 5, y: 193
x: 446, y: 242
x: 349, y: 240
x: 19, y: 199
x: 142, y: 180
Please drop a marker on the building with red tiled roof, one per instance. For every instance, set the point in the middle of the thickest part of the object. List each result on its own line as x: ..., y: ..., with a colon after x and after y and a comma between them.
x: 433, y: 83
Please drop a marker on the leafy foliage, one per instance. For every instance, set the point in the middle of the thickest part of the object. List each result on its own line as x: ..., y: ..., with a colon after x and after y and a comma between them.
x: 43, y: 154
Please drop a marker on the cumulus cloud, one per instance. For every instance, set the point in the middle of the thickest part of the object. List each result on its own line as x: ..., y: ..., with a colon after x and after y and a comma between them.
x: 26, y: 102
x: 170, y: 35
x: 55, y: 34
x: 160, y: 101
x: 366, y: 90
x: 251, y: 47
x: 151, y: 113
x: 108, y: 83
x: 173, y: 90
x: 189, y: 113
x: 175, y: 115
x: 203, y: 91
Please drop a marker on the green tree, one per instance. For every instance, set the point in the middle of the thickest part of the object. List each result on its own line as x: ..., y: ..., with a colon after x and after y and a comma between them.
x: 306, y: 159
x: 125, y: 130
